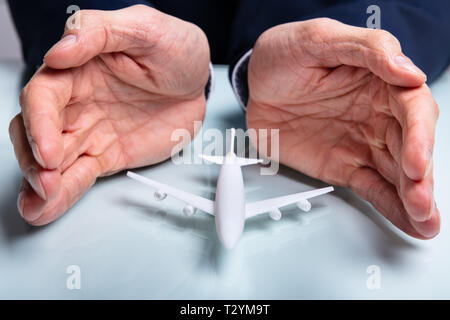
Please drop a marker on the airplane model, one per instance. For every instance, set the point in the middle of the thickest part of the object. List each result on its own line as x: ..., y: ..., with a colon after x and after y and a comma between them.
x: 229, y: 208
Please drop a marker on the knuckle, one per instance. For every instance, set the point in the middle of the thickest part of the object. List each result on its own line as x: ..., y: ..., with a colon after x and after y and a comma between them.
x: 142, y: 8
x: 322, y: 23
x: 434, y: 107
x: 264, y: 37
x: 319, y: 30
x: 321, y: 26
x: 26, y: 98
x: 147, y: 28
x: 199, y: 33
x: 24, y: 94
x: 147, y: 15
x: 383, y: 38
x: 38, y: 89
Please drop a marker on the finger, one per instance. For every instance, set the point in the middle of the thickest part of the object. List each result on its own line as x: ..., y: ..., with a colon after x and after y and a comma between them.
x: 92, y: 141
x: 73, y: 148
x: 76, y: 180
x: 394, y: 141
x: 104, y: 32
x: 86, y: 131
x: 430, y: 228
x: 369, y: 185
x: 418, y: 197
x: 27, y: 163
x: 417, y: 113
x: 42, y: 99
x: 386, y: 165
x: 79, y: 121
x: 45, y: 183
x: 29, y: 203
x: 377, y: 50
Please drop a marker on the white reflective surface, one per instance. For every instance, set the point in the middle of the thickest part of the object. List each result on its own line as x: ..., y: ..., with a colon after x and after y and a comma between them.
x: 128, y: 245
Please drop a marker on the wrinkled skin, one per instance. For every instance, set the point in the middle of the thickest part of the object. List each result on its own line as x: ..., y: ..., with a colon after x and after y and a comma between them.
x: 107, y: 102
x: 349, y: 113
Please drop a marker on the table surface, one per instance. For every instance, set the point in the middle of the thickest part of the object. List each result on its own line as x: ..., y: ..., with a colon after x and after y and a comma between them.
x: 129, y: 246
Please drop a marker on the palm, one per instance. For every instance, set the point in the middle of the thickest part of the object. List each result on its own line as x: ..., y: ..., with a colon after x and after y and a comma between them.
x: 327, y: 129
x: 120, y: 123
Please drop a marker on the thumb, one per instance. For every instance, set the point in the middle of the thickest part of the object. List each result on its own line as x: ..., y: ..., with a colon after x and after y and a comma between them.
x: 104, y: 32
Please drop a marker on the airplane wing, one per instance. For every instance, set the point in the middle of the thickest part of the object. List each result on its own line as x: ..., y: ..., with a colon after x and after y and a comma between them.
x: 258, y: 207
x: 196, y: 201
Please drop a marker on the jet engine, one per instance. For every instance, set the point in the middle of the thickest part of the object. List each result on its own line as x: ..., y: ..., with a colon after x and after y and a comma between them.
x: 189, y: 210
x: 275, y: 214
x: 304, y: 205
x: 160, y: 195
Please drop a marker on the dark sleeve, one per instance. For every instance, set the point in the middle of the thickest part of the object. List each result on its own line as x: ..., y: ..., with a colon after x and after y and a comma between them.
x: 422, y: 27
x: 40, y: 24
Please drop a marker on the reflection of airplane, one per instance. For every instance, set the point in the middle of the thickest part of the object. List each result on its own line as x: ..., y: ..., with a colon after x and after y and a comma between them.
x: 229, y: 208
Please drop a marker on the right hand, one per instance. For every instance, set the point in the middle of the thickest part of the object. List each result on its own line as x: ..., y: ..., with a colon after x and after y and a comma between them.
x: 106, y: 99
x: 352, y: 110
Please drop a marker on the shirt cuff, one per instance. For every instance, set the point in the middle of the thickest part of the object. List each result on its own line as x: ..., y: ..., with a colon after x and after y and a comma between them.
x: 210, y: 84
x: 239, y: 80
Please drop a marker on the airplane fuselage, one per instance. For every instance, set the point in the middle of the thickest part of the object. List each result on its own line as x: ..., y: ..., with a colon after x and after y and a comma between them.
x: 230, y: 204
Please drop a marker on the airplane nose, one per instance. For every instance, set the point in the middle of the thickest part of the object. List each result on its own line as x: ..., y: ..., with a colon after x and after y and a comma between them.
x: 229, y: 238
x: 229, y: 241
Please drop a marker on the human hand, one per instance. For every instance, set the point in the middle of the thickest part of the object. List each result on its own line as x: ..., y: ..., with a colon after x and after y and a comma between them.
x: 107, y: 98
x: 351, y: 110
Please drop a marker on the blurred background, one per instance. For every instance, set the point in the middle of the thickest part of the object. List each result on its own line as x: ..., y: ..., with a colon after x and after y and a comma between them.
x: 9, y: 42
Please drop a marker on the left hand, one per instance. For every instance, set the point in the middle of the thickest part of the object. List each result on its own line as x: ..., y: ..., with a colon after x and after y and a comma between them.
x: 353, y: 111
x: 107, y: 98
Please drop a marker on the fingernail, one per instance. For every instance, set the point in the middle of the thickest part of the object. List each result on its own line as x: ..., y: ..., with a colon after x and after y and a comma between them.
x: 66, y: 41
x: 406, y: 63
x: 21, y: 202
x: 37, y: 154
x: 35, y: 182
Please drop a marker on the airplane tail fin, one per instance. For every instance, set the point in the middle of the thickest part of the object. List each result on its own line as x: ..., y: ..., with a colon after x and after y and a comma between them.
x: 232, y: 136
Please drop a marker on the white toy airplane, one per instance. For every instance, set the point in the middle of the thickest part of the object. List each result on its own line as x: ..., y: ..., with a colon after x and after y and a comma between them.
x: 229, y: 208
